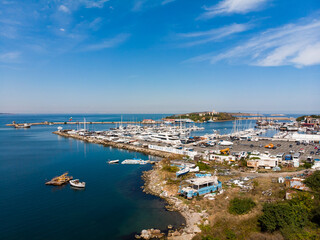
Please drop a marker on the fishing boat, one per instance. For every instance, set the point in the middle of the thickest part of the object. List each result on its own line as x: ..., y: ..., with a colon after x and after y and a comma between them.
x: 76, y: 183
x: 113, y: 161
x: 182, y: 171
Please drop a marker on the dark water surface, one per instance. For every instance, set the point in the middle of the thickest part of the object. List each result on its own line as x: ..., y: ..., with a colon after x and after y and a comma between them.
x: 112, y: 206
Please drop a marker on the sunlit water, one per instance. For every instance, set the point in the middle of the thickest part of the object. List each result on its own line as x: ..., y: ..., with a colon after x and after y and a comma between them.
x: 112, y: 206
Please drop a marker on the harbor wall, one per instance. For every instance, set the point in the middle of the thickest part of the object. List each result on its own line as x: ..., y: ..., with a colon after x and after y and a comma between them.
x: 173, y: 150
x: 124, y: 146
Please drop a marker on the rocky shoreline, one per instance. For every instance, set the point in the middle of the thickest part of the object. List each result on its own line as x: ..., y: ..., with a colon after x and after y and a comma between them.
x: 156, y: 186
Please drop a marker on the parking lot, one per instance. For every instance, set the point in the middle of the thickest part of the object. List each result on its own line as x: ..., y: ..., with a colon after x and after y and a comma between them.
x: 281, y: 147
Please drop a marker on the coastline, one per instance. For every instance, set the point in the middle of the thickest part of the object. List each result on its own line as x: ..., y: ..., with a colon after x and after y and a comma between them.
x: 154, y: 185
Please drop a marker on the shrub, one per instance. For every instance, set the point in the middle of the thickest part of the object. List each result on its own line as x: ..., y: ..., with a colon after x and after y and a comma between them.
x: 315, y: 216
x: 202, y: 166
x: 313, y: 181
x: 241, y: 206
x: 307, y: 165
x: 277, y: 216
x: 230, y: 234
x: 169, y: 168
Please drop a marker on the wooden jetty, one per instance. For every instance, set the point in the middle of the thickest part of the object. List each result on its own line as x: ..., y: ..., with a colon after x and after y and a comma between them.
x: 60, y: 180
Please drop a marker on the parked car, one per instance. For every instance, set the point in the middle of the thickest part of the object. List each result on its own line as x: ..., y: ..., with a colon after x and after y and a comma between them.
x: 312, y: 152
x: 290, y: 146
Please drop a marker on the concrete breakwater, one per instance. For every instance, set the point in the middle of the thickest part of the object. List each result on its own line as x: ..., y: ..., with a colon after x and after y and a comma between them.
x: 124, y: 146
x: 72, y: 123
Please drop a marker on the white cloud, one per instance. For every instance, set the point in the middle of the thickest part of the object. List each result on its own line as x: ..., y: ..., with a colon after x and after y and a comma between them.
x: 166, y: 2
x: 233, y: 6
x: 108, y: 43
x: 214, y: 34
x: 292, y: 44
x: 95, y: 3
x: 9, y: 57
x: 63, y: 8
x: 137, y: 6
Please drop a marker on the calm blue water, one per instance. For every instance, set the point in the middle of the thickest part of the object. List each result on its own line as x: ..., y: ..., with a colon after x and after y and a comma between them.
x: 112, y: 206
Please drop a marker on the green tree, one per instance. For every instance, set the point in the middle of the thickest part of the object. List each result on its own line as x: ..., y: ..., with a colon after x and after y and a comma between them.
x: 282, y: 215
x: 313, y: 181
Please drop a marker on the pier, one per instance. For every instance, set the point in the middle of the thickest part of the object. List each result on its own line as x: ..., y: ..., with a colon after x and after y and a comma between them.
x: 72, y: 123
x: 124, y: 146
x: 48, y: 123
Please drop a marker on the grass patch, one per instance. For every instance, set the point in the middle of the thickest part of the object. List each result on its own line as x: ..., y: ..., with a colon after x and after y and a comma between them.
x: 202, y: 166
x: 169, y: 168
x: 240, y: 206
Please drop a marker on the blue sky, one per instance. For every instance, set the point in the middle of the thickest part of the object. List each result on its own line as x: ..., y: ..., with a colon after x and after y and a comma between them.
x: 159, y: 56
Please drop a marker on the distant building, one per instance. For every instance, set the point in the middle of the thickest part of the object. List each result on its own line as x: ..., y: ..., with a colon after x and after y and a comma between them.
x: 266, y: 163
x: 310, y: 121
x: 214, y: 112
x: 148, y: 121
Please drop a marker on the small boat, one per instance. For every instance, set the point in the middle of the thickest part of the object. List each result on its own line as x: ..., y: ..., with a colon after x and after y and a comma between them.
x: 76, y: 183
x: 196, y: 169
x: 113, y: 161
x: 182, y: 171
x: 22, y: 125
x: 134, y: 161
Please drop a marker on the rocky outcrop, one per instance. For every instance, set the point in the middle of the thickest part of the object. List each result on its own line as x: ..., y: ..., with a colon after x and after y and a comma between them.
x: 150, y: 234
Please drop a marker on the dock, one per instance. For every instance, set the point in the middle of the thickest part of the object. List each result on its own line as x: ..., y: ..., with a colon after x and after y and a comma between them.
x: 60, y: 180
x: 72, y: 123
x: 48, y: 123
x: 124, y: 146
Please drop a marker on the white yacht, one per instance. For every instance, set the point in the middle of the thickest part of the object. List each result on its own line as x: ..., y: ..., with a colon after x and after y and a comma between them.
x: 166, y: 137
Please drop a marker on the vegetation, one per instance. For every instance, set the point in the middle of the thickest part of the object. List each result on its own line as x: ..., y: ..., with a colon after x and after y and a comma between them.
x: 202, y: 166
x: 278, y: 216
x: 254, y: 158
x: 295, y: 219
x: 239, y: 206
x: 313, y: 181
x: 302, y: 117
x: 250, y: 215
x: 204, y: 117
x: 169, y: 168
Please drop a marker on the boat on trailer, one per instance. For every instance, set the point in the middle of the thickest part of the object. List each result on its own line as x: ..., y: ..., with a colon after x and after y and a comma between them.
x: 182, y: 171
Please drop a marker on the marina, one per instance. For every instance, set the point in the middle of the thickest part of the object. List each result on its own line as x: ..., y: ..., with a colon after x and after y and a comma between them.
x: 31, y: 157
x: 188, y: 144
